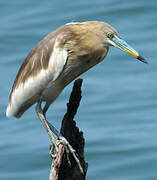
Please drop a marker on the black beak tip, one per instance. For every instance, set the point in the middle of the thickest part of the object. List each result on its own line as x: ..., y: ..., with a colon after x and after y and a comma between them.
x: 142, y: 59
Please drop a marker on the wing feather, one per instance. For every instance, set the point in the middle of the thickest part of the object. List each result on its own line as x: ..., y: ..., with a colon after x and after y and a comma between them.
x: 34, y: 76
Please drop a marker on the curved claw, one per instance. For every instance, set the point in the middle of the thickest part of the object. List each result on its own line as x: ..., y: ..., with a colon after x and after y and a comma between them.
x: 52, y: 151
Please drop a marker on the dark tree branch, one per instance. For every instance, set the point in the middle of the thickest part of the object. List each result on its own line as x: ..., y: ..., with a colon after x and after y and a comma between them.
x: 60, y: 169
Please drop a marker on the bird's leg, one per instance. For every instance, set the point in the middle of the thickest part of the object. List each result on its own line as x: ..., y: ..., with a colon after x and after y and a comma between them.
x: 50, y: 130
x: 46, y: 108
x: 46, y: 126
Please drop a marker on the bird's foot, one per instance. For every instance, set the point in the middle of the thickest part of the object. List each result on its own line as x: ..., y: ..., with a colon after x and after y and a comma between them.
x: 53, y: 151
x: 68, y: 148
x: 51, y: 130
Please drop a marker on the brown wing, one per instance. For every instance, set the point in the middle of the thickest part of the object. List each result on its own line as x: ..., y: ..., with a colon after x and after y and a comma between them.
x: 42, y: 65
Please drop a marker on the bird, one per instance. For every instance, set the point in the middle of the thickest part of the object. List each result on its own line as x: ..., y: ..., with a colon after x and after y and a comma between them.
x: 57, y: 60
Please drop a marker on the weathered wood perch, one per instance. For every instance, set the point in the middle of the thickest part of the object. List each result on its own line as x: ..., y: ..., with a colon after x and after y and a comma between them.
x: 60, y: 169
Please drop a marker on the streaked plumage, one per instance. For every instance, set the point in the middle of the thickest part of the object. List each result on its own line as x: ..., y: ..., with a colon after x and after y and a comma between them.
x: 56, y: 60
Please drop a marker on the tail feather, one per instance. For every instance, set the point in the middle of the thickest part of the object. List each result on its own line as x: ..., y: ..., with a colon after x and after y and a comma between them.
x: 15, y: 110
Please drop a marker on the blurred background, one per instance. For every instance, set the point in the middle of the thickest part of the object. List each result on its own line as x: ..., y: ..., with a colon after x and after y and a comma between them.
x: 118, y: 111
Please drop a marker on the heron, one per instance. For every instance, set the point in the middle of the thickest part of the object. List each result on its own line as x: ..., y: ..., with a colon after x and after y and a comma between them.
x: 55, y: 61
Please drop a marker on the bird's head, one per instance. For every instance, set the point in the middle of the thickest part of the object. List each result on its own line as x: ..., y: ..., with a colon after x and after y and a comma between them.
x: 111, y: 38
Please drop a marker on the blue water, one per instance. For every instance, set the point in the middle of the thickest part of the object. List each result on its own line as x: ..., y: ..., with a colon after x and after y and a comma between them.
x: 118, y: 111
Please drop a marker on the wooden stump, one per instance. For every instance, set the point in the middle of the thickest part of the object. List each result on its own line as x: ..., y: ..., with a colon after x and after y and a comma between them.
x: 60, y: 168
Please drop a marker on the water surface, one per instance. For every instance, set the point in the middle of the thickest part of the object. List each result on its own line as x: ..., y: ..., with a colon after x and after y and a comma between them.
x: 118, y: 112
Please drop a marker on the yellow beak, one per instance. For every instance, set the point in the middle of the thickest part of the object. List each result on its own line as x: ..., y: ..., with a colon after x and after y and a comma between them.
x: 126, y: 47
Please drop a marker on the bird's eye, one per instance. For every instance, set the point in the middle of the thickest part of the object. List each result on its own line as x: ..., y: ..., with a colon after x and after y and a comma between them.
x: 110, y: 35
